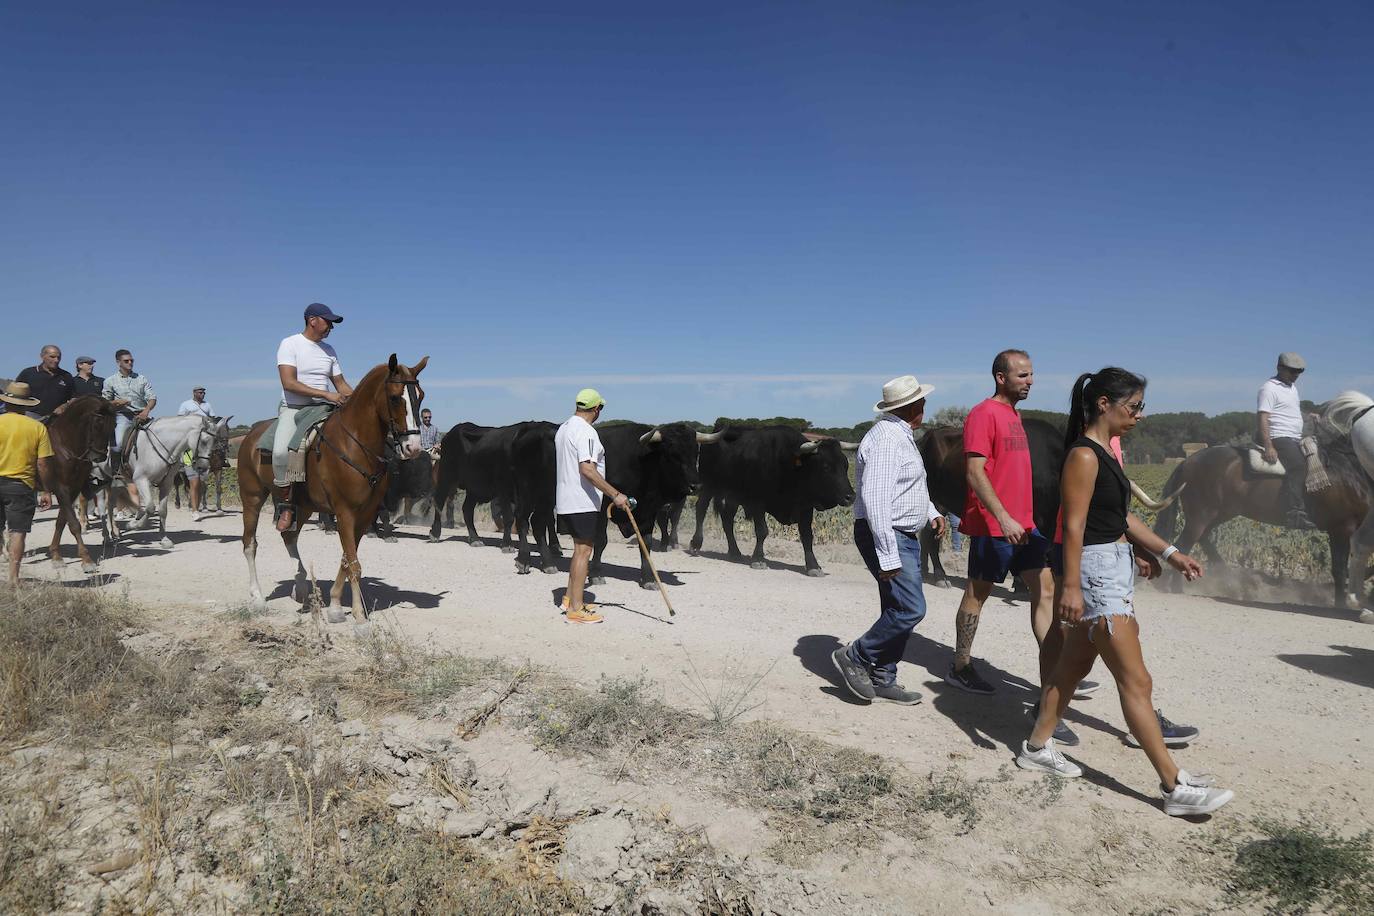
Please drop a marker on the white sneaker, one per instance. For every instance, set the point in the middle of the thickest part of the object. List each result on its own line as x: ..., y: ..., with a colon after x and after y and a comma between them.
x: 1047, y: 760
x: 1194, y: 795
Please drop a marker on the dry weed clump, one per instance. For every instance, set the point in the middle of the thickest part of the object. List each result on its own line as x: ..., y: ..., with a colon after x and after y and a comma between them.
x: 399, y: 674
x: 1296, y: 867
x: 619, y: 714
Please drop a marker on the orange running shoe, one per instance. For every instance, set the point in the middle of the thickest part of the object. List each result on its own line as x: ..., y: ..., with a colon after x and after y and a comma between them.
x: 586, y: 605
x: 582, y: 616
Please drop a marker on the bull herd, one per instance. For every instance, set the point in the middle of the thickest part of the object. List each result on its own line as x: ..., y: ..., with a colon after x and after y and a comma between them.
x: 766, y: 470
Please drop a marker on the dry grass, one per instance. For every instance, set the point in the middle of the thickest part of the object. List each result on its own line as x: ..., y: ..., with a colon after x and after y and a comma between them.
x: 400, y: 674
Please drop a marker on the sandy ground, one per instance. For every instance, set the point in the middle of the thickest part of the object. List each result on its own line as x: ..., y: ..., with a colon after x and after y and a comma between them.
x: 1281, y: 691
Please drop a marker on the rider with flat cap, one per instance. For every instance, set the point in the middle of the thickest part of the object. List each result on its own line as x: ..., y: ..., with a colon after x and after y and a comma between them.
x: 310, y: 374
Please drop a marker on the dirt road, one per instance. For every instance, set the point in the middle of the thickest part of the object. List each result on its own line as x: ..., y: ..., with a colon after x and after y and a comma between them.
x: 1282, y: 692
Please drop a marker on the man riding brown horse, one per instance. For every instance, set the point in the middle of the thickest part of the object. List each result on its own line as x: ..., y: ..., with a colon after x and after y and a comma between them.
x: 345, y: 473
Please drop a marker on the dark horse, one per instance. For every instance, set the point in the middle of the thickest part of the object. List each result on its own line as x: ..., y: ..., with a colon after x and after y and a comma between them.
x: 80, y: 436
x: 345, y: 471
x: 1219, y: 488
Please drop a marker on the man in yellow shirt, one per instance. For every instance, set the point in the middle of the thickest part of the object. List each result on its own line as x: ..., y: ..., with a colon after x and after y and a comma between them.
x: 25, y: 458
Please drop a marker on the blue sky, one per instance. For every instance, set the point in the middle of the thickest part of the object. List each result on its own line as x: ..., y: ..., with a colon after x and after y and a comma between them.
x: 744, y: 209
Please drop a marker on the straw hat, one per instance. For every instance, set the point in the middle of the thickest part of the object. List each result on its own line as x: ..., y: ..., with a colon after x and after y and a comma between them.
x: 900, y: 392
x: 17, y: 393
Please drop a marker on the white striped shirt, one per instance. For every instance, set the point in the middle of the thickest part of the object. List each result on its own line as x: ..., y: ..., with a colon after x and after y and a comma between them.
x: 891, y: 495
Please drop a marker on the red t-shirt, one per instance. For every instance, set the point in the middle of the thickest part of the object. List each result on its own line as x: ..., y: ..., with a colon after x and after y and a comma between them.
x: 993, y: 431
x: 1115, y: 448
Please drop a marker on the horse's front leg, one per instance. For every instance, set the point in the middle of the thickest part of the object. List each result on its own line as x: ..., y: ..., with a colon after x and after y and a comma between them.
x: 335, y: 613
x: 164, y: 497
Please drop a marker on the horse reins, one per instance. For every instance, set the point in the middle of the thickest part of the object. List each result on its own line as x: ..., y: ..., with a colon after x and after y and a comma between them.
x: 394, y: 436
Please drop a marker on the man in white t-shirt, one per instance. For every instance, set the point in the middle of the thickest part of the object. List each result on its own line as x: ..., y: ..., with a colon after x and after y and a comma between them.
x: 308, y: 368
x: 581, y: 464
x: 1279, y: 410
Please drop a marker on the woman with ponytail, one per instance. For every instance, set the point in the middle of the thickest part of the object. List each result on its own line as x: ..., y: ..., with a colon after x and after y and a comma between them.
x: 1094, y: 593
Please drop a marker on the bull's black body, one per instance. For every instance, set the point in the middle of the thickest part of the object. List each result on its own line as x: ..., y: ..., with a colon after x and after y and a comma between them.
x: 654, y: 473
x: 942, y: 450
x: 765, y: 470
x: 457, y: 471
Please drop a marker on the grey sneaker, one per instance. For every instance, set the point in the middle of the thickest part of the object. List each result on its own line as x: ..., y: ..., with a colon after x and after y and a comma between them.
x: 1174, y: 735
x: 895, y: 693
x: 1062, y: 733
x: 1047, y: 760
x: 1086, y: 689
x: 1193, y: 796
x: 855, y: 677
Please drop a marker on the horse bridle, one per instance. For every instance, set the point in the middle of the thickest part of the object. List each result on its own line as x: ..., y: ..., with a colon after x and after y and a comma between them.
x: 166, y: 457
x: 394, y: 435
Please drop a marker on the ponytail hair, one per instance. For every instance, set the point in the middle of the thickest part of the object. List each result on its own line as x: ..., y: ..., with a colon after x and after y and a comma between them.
x: 1113, y: 382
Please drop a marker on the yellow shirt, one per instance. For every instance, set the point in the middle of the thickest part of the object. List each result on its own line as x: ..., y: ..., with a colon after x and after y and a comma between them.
x: 23, y: 440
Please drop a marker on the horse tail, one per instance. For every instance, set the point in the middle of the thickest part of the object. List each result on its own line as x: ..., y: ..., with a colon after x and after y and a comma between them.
x: 1166, y: 522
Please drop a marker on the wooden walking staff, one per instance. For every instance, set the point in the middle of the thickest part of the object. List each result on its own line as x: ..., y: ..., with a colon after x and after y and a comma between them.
x: 644, y: 548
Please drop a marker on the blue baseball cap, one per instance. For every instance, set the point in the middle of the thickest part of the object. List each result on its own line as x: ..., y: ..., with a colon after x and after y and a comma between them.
x: 320, y: 310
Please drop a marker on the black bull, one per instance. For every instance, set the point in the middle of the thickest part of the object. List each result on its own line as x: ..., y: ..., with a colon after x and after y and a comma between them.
x: 942, y: 450
x: 771, y: 470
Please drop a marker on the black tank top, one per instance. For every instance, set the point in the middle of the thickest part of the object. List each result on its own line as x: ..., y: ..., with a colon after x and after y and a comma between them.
x: 1106, y: 521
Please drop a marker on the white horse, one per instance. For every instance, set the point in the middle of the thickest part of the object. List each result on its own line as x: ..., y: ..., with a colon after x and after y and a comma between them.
x: 1351, y: 413
x: 156, y: 456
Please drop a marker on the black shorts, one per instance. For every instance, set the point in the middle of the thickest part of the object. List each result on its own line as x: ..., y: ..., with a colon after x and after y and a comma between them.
x: 580, y: 526
x: 18, y: 501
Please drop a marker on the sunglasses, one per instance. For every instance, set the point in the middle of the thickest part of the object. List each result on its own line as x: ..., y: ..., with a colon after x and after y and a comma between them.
x: 1135, y: 409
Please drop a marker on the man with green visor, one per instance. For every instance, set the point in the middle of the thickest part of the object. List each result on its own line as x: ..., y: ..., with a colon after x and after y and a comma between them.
x: 581, y: 463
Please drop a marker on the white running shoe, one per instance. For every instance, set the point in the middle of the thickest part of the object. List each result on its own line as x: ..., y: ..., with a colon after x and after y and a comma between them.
x: 1194, y: 795
x: 1047, y: 760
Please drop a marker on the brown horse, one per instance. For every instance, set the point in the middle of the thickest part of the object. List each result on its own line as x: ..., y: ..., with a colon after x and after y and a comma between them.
x: 345, y: 473
x: 80, y: 437
x: 1219, y: 488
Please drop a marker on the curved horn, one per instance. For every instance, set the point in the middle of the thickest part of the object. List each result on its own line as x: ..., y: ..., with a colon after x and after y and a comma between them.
x: 709, y: 438
x: 850, y: 446
x: 1144, y: 498
x: 808, y: 448
x: 653, y: 435
x: 1163, y: 504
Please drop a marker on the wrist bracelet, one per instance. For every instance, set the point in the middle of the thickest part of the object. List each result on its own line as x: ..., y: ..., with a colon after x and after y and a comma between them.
x: 1167, y: 553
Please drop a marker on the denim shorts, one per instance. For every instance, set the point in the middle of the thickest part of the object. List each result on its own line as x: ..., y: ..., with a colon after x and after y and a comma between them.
x: 1107, y: 573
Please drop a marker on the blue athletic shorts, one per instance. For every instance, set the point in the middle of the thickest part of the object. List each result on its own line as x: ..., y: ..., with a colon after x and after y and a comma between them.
x: 991, y: 558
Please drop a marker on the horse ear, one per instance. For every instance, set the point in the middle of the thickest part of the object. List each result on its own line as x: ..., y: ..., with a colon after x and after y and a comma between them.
x: 391, y: 363
x: 419, y: 367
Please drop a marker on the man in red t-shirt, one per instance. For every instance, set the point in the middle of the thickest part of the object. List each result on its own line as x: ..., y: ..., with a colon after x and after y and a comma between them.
x: 998, y: 517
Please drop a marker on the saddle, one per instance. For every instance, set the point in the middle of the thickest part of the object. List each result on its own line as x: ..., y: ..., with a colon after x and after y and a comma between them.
x: 1252, y: 455
x: 308, y: 423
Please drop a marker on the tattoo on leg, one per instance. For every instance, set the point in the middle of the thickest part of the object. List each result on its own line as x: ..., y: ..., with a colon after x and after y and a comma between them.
x: 965, y: 626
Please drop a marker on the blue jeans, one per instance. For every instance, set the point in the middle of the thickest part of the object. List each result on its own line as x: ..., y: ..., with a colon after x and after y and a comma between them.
x: 956, y: 540
x: 901, y: 603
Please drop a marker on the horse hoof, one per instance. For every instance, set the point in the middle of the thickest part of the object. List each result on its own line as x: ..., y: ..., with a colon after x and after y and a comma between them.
x: 434, y: 540
x: 1366, y: 616
x: 816, y: 572
x: 166, y: 544
x: 760, y: 564
x: 90, y: 569
x: 390, y: 540
x: 475, y: 542
x: 942, y: 583
x: 509, y: 549
x: 362, y: 630
x: 597, y: 580
x: 650, y: 586
x: 335, y: 615
x: 694, y: 550
x: 521, y: 569
x: 549, y: 570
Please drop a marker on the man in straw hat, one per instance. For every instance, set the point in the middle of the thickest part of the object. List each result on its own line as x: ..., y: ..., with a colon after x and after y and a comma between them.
x: 25, y: 458
x: 580, y: 461
x: 891, y: 507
